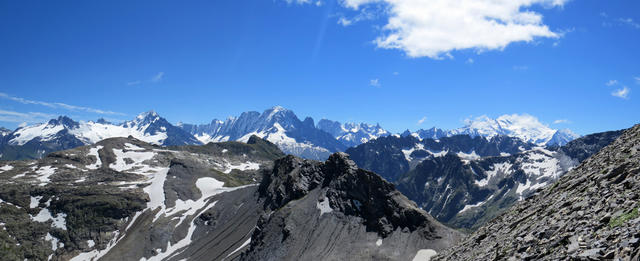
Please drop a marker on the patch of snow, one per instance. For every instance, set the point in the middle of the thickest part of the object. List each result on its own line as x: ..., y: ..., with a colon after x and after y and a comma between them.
x: 324, y: 206
x: 224, y: 150
x: 91, y: 243
x: 468, y: 156
x: 379, y: 242
x: 45, y: 215
x: 44, y: 173
x: 129, y: 146
x: 441, y: 153
x: 242, y: 166
x: 424, y: 255
x: 498, y: 168
x: 55, y: 243
x: 6, y: 168
x: 246, y: 243
x: 35, y: 201
x: 137, y: 157
x: 467, y: 207
x: 94, y: 152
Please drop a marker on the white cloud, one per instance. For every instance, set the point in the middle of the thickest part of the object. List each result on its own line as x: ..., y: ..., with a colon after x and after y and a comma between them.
x: 57, y: 105
x: 622, y: 93
x: 24, y: 117
x: 470, y: 61
x: 344, y: 21
x: 374, y: 83
x: 397, y: 73
x: 637, y: 79
x: 434, y: 28
x: 612, y: 82
x: 561, y: 121
x: 422, y: 120
x: 158, y: 77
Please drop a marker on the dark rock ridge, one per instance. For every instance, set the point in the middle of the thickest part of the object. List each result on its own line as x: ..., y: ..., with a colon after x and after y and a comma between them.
x: 582, y: 148
x: 591, y: 213
x: 336, y: 211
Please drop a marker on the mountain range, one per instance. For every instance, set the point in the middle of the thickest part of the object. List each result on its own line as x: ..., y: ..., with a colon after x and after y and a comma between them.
x: 278, y: 125
x: 464, y: 181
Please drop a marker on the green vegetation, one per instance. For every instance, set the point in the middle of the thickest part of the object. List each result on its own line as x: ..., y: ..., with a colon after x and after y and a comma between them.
x: 620, y: 220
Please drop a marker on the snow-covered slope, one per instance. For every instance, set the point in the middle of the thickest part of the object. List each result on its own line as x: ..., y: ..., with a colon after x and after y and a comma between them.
x: 352, y: 134
x: 526, y: 127
x: 277, y: 125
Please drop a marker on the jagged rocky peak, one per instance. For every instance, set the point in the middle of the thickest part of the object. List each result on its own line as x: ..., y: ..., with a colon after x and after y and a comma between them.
x: 65, y: 122
x: 310, y: 204
x: 147, y: 118
x: 591, y: 213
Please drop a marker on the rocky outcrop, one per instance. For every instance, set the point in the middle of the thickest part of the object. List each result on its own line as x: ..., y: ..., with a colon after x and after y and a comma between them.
x: 336, y: 211
x: 591, y: 213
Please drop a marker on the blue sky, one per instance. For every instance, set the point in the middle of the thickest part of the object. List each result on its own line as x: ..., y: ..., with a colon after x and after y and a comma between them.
x: 214, y: 59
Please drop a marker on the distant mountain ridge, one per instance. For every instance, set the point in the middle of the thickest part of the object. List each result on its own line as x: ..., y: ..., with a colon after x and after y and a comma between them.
x: 283, y: 128
x: 35, y: 141
x: 524, y: 127
x: 280, y: 126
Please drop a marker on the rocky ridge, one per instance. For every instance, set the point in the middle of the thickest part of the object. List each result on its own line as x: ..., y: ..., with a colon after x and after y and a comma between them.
x: 336, y: 211
x: 591, y: 213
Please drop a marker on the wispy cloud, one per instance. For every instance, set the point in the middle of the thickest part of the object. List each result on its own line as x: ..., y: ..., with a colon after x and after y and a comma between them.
x: 158, y: 77
x: 24, y: 117
x: 422, y: 120
x: 520, y: 67
x: 58, y: 105
x: 629, y: 22
x: 134, y: 83
x: 470, y: 61
x: 622, y: 93
x: 374, y: 83
x: 611, y: 82
x: 637, y: 79
x: 397, y: 73
x: 561, y: 121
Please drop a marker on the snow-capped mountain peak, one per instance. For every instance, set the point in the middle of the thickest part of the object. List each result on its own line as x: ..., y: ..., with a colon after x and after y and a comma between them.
x: 523, y: 126
x: 352, y: 134
x: 148, y: 127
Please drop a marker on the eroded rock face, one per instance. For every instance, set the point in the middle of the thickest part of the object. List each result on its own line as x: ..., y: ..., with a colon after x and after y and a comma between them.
x: 591, y: 213
x: 336, y: 211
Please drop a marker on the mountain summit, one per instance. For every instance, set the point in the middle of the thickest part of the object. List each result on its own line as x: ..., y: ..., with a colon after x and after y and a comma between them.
x: 282, y: 127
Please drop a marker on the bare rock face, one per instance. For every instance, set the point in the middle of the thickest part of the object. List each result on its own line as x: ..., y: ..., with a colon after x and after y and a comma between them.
x: 336, y: 211
x: 591, y: 213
